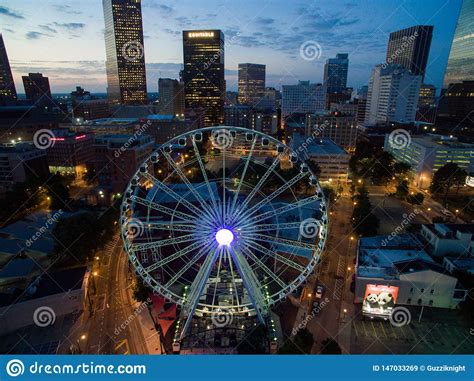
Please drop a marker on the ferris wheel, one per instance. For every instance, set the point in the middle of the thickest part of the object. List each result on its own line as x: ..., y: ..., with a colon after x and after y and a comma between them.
x: 224, y: 220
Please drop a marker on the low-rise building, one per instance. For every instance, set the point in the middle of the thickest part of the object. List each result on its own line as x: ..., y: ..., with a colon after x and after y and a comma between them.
x: 70, y: 152
x: 20, y: 161
x: 332, y: 159
x: 448, y: 239
x: 395, y: 270
x: 340, y: 128
x: 459, y: 265
x: 117, y: 157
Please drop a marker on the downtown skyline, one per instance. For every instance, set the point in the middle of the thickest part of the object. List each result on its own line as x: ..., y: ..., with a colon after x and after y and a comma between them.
x: 257, y: 33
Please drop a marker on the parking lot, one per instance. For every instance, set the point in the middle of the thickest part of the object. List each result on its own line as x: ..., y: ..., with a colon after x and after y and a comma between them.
x: 379, y: 336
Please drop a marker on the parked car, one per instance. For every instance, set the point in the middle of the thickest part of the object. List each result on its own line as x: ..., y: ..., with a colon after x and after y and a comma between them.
x: 319, y: 291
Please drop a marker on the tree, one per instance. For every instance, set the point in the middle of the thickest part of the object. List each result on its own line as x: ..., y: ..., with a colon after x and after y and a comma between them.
x: 447, y: 176
x: 314, y: 167
x: 364, y: 221
x: 58, y: 192
x: 256, y: 342
x: 299, y: 344
x: 401, y: 170
x: 330, y: 347
x: 416, y: 199
x: 402, y: 190
x: 140, y: 291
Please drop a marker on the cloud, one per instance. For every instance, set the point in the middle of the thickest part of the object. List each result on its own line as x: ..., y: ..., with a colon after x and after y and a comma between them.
x: 264, y: 20
x: 47, y: 28
x: 66, y: 9
x: 70, y: 25
x: 168, y: 9
x: 33, y: 35
x: 10, y: 13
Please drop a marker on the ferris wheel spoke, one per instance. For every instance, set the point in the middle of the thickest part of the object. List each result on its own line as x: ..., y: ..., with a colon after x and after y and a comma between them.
x: 187, y: 266
x: 197, y: 287
x: 185, y: 180
x: 252, y: 285
x: 283, y: 241
x: 268, y: 227
x: 176, y: 196
x: 204, y: 174
x: 278, y: 257
x: 162, y: 208
x: 262, y: 265
x: 278, y: 192
x: 175, y: 256
x: 283, y: 209
x: 161, y: 243
x: 257, y: 187
x: 171, y: 226
x: 242, y: 177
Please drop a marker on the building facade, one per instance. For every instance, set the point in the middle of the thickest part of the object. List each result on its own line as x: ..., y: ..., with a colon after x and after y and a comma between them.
x: 86, y: 107
x: 392, y: 96
x: 410, y: 48
x: 125, y: 53
x: 37, y: 88
x: 449, y: 239
x: 426, y: 154
x: 7, y: 85
x: 461, y: 56
x: 335, y: 73
x: 117, y: 157
x: 20, y: 161
x: 401, y: 265
x: 70, y: 152
x: 171, y: 96
x: 331, y: 159
x: 203, y: 74
x: 303, y: 98
x: 339, y: 127
x: 251, y: 83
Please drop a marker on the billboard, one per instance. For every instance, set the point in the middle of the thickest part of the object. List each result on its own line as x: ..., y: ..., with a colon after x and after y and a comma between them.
x: 379, y: 299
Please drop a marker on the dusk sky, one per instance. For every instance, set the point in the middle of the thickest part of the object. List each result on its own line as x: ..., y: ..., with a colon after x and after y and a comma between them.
x: 65, y: 42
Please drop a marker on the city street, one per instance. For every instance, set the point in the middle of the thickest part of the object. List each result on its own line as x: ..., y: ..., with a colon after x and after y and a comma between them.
x: 117, y: 323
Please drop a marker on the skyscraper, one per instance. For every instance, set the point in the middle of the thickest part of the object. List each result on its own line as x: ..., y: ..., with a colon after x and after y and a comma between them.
x: 410, y: 48
x: 125, y: 63
x: 37, y: 87
x: 203, y: 75
x: 303, y: 98
x: 251, y: 83
x: 335, y: 73
x: 7, y: 86
x: 171, y: 96
x: 393, y: 95
x: 461, y: 57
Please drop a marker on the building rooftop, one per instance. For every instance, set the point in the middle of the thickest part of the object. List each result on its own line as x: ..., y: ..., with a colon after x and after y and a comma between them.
x: 437, y: 141
x: 316, y: 147
x: 378, y: 256
x: 462, y: 264
x: 449, y: 231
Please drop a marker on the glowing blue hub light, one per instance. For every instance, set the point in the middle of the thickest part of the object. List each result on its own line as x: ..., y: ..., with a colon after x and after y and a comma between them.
x: 224, y: 237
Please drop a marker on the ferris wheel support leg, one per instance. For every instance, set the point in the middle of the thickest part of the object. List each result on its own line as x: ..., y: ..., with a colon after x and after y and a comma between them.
x: 252, y: 285
x: 196, y: 289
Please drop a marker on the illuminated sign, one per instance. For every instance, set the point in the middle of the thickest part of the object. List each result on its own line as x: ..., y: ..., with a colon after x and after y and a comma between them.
x: 379, y: 299
x: 200, y: 34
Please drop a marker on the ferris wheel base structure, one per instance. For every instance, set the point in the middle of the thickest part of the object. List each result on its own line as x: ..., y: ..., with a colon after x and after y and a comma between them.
x: 225, y: 222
